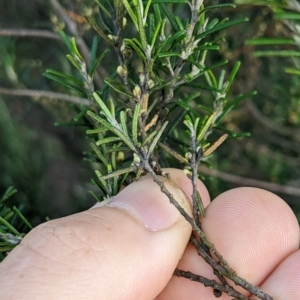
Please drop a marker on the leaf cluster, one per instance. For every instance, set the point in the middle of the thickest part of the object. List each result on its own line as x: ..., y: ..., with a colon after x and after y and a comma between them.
x: 159, y: 74
x: 11, y: 221
x: 287, y: 12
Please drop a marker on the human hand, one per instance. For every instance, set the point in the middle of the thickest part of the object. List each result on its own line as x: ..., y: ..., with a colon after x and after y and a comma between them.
x: 129, y: 247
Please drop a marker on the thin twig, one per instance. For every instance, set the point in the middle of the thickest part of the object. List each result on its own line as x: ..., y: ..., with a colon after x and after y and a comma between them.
x: 286, y: 131
x: 30, y: 33
x: 85, y: 51
x: 46, y: 94
x: 221, y: 264
x: 274, y: 187
x: 228, y: 272
x: 211, y: 283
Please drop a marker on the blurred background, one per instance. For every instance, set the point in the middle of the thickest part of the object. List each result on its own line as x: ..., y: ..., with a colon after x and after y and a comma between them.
x: 45, y: 162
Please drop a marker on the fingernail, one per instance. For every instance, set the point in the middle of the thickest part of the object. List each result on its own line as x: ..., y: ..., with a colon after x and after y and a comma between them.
x: 145, y: 201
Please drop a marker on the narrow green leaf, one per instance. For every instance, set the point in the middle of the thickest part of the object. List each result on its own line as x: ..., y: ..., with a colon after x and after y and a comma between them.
x: 204, y: 10
x: 113, y: 157
x: 112, y: 107
x: 67, y: 84
x: 75, y: 49
x: 92, y: 22
x: 74, y: 61
x: 195, y: 63
x: 135, y: 119
x: 196, y: 123
x: 104, y: 9
x: 203, y: 87
x: 273, y: 4
x: 157, y: 13
x: 188, y: 123
x: 232, y: 75
x: 94, y: 52
x: 212, y: 24
x: 97, y: 62
x: 221, y: 79
x: 104, y: 108
x: 117, y: 149
x: 8, y: 216
x: 118, y: 173
x: 81, y: 114
x: 156, y: 138
x: 183, y: 104
x: 117, y: 86
x: 131, y: 13
x: 148, y: 3
x: 149, y: 138
x: 287, y: 16
x: 168, y: 54
x: 155, y: 33
x: 9, y: 227
x: 270, y: 41
x: 170, y: 17
x: 101, y: 157
x: 115, y: 130
x: 207, y: 47
x: 281, y: 53
x: 107, y: 140
x: 206, y: 126
x: 66, y: 40
x: 10, y: 191
x: 230, y: 105
x: 167, y: 43
x: 123, y: 120
x: 21, y: 216
x: 64, y: 76
x: 136, y: 48
x: 103, y: 182
x: 179, y: 23
x: 211, y: 79
x: 221, y: 27
x: 96, y: 197
x: 141, y: 25
x: 101, y: 188
x: 216, y: 65
x: 168, y: 1
x: 96, y: 131
x: 292, y: 71
x: 151, y: 27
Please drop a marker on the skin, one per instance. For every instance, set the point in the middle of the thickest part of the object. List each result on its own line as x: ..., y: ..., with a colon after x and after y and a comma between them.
x: 128, y: 248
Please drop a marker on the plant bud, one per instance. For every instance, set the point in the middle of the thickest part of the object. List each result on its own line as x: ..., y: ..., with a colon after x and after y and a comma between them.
x: 113, y: 38
x: 124, y: 22
x: 137, y: 92
x: 120, y: 156
x: 187, y: 172
x: 142, y: 79
x: 188, y: 156
x: 122, y: 71
x: 150, y: 84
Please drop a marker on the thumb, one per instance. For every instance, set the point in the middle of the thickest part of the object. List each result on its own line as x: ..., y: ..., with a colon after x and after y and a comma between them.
x: 124, y: 248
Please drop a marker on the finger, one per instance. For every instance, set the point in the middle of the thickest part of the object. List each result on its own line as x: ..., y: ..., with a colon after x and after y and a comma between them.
x: 253, y: 229
x: 126, y: 249
x: 283, y: 283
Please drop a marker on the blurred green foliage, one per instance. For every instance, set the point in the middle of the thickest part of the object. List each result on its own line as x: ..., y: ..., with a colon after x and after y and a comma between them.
x: 45, y: 162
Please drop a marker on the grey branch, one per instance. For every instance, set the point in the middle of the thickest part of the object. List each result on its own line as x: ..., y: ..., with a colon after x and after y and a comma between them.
x: 273, y: 187
x: 85, y: 51
x: 285, y: 131
x: 46, y: 94
x: 30, y: 33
